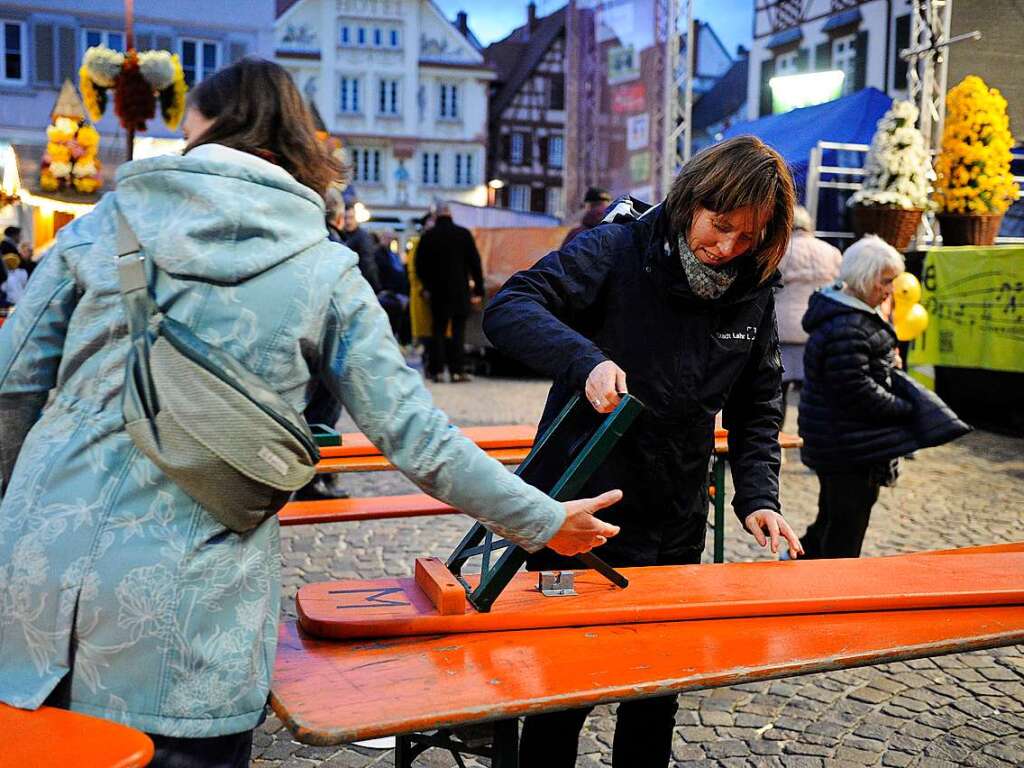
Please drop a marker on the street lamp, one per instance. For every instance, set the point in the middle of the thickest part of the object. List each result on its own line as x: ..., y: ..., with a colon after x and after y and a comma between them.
x: 495, y: 183
x: 362, y: 213
x: 492, y: 191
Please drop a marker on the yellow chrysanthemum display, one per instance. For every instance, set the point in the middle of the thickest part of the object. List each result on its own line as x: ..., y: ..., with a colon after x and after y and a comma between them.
x: 974, y: 166
x: 71, y: 158
x: 172, y: 98
x: 94, y: 98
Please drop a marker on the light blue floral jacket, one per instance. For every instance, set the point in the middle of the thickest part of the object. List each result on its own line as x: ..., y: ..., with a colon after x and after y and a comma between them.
x: 165, y: 619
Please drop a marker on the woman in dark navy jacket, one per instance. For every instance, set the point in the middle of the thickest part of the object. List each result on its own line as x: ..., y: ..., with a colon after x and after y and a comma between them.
x: 675, y: 305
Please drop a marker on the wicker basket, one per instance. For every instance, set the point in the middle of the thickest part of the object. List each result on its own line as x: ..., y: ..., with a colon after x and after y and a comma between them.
x: 894, y: 225
x: 969, y: 228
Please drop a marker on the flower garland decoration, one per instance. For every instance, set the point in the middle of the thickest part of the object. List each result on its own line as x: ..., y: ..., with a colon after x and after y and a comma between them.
x: 71, y: 158
x: 897, y: 170
x: 974, y: 166
x: 139, y: 79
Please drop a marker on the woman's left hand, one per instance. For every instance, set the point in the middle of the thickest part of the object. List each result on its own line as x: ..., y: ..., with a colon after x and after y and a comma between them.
x: 769, y: 520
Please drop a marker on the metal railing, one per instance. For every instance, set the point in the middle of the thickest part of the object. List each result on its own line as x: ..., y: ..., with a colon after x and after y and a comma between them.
x: 820, y: 176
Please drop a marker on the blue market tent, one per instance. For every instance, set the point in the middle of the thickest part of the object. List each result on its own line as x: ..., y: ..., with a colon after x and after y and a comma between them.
x: 850, y: 120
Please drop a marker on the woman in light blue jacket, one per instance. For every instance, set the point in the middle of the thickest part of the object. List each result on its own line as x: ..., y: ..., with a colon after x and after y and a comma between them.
x: 119, y: 595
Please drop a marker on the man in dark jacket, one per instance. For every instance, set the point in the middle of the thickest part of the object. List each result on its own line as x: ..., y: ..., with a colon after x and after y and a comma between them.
x: 680, y: 298
x: 446, y: 261
x: 344, y: 228
x: 594, y: 203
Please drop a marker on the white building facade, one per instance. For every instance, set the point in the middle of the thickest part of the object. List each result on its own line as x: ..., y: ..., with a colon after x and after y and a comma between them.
x: 404, y: 89
x: 861, y: 38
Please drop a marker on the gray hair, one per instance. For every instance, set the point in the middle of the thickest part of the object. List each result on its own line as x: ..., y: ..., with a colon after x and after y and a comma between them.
x: 334, y: 202
x: 864, y: 261
x: 802, y: 219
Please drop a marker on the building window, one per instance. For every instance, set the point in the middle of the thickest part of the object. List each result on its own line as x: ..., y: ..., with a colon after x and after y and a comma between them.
x: 199, y: 59
x: 12, y: 47
x: 388, y: 98
x: 346, y: 35
x: 366, y: 166
x: 787, y: 63
x: 431, y: 175
x: 515, y: 155
x: 378, y: 37
x: 556, y: 151
x: 844, y: 57
x: 361, y: 36
x: 556, y: 92
x: 553, y: 201
x: 449, y: 101
x: 393, y: 38
x: 463, y: 169
x: 519, y: 197
x: 112, y: 40
x: 348, y: 96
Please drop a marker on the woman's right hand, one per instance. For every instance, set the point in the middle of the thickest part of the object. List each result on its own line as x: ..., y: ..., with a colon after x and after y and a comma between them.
x: 604, y: 385
x: 581, y: 531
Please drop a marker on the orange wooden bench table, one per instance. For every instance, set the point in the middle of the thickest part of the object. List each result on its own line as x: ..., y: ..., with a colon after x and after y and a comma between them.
x: 336, y: 692
x: 51, y: 737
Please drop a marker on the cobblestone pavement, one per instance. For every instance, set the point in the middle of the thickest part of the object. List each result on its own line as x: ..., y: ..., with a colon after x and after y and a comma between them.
x: 961, y: 709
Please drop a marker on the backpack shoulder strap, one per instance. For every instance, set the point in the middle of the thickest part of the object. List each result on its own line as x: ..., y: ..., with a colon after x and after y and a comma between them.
x: 131, y: 273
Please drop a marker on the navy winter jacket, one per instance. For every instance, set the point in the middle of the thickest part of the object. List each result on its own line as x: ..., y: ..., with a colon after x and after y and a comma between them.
x: 617, y: 293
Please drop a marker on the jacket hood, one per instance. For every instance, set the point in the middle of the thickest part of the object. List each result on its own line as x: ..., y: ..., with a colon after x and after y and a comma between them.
x: 829, y: 303
x: 663, y: 254
x: 234, y: 215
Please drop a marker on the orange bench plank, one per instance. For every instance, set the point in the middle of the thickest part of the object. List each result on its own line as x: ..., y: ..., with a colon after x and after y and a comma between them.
x: 396, y: 606
x: 333, y: 692
x: 50, y: 737
x: 380, y: 463
x: 367, y: 508
x: 488, y: 438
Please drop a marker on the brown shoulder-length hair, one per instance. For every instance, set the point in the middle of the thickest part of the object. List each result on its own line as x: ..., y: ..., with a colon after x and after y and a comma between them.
x: 256, y: 108
x: 733, y: 174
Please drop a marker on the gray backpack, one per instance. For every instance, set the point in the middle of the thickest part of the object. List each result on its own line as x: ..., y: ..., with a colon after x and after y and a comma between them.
x: 212, y: 426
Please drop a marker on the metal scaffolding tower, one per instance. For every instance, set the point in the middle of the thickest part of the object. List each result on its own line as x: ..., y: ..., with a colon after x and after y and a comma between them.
x: 928, y: 64
x: 670, y: 117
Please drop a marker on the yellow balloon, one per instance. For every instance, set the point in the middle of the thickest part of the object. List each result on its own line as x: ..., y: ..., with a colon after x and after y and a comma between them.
x: 906, y: 290
x: 912, y: 324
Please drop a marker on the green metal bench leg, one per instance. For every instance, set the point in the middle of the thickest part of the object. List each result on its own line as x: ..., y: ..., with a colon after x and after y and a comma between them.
x: 719, y: 474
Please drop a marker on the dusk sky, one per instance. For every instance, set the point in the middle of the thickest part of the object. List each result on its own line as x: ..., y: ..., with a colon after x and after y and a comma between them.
x: 490, y: 21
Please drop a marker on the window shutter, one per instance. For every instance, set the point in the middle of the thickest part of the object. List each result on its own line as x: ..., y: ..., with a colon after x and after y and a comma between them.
x: 542, y: 146
x: 67, y: 54
x: 823, y: 57
x: 861, y: 62
x: 42, y: 43
x: 164, y: 43
x: 767, y: 72
x: 236, y: 52
x: 557, y: 86
x: 527, y: 149
x: 802, y: 60
x: 899, y: 77
x: 538, y: 201
x: 506, y: 147
x: 144, y: 41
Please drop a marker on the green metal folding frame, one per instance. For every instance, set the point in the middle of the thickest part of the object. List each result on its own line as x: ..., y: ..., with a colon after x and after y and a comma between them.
x: 551, y: 448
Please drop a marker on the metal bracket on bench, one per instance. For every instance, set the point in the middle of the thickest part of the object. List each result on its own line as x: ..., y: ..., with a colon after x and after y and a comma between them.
x: 585, y: 458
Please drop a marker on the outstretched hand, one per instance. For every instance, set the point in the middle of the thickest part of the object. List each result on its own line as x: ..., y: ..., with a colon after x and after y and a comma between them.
x: 581, y: 531
x: 775, y: 524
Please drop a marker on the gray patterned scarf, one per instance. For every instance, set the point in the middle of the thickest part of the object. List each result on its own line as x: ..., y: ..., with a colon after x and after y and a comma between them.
x: 705, y: 282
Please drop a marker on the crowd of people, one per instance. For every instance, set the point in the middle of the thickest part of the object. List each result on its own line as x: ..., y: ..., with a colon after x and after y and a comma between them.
x: 709, y: 301
x: 16, y: 265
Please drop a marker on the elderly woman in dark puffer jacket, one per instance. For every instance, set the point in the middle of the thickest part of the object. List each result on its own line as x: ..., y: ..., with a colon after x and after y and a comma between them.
x: 849, y: 411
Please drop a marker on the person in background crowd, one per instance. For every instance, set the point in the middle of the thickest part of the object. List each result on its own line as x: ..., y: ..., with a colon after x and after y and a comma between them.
x: 448, y: 265
x: 123, y: 598
x: 345, y: 229
x: 674, y: 304
x: 14, y: 286
x: 394, y: 282
x: 809, y: 264
x: 849, y: 410
x: 27, y: 256
x: 8, y: 245
x: 421, y: 326
x: 595, y: 201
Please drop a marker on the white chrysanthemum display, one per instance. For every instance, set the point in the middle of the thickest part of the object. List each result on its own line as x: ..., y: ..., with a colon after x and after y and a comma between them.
x: 157, y: 68
x: 60, y: 170
x: 103, y: 65
x: 898, y: 171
